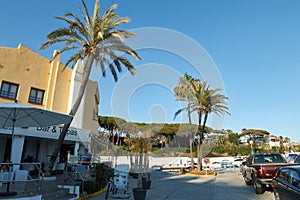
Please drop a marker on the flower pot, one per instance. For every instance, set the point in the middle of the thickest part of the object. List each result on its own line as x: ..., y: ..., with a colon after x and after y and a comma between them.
x: 146, y: 184
x: 139, y: 194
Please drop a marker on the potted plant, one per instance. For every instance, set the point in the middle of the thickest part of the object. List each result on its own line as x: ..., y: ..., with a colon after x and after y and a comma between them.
x: 146, y: 181
x: 139, y: 146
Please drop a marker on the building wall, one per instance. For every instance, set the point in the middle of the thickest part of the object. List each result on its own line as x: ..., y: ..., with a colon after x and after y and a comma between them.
x: 29, y: 69
x: 87, y: 110
x: 61, y: 84
x: 91, y: 110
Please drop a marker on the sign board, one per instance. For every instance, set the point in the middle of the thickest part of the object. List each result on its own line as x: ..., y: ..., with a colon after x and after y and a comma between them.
x: 51, y: 132
x: 121, y: 174
x: 206, y: 160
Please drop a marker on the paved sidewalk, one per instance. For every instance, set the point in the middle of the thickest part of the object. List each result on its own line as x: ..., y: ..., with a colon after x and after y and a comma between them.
x: 170, y: 186
x: 228, y: 184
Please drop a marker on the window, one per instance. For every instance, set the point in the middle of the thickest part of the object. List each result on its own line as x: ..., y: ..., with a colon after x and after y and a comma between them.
x: 277, y: 159
x: 36, y: 96
x: 283, y: 175
x: 9, y: 90
x: 294, y: 178
x: 259, y: 159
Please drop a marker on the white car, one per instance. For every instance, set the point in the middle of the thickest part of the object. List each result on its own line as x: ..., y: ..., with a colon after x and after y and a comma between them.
x: 215, y: 166
x: 238, y: 162
x: 225, y: 163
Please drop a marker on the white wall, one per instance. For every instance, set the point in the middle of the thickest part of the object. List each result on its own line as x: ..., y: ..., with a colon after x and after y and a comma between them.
x: 161, y: 161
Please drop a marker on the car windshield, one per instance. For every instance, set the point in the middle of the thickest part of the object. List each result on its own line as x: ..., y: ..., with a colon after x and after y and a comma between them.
x: 270, y: 158
x: 297, y: 160
x: 291, y: 157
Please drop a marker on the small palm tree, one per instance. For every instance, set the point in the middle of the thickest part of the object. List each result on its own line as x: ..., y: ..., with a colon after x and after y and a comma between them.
x: 98, y: 42
x: 183, y: 92
x: 206, y: 101
x: 140, y: 146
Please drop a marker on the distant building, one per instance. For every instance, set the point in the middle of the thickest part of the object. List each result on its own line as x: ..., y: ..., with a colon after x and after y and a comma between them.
x: 273, y: 141
x: 34, y: 80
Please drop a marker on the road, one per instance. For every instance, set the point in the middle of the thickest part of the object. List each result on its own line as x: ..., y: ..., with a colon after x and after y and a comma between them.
x: 228, y: 184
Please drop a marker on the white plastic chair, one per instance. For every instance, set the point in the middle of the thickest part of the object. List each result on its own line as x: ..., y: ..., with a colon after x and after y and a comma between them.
x: 21, y: 177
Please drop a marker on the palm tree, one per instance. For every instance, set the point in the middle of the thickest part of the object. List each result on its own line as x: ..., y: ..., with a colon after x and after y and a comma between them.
x: 206, y: 101
x: 183, y: 92
x: 98, y: 41
x: 199, y: 97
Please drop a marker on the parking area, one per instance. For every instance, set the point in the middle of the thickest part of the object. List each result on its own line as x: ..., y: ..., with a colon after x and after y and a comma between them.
x: 228, y: 184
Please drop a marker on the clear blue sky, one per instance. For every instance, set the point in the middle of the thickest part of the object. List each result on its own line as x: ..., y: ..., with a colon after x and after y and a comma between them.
x: 255, y: 46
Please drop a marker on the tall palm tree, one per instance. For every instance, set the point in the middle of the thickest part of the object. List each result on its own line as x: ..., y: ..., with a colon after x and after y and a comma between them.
x: 183, y: 92
x: 197, y: 105
x: 97, y: 40
x: 206, y: 101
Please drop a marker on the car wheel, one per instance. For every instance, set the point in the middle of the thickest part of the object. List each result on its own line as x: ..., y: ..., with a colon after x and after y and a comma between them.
x: 258, y: 188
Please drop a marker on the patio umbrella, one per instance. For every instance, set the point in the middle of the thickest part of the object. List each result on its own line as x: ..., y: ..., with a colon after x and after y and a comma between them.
x: 20, y: 115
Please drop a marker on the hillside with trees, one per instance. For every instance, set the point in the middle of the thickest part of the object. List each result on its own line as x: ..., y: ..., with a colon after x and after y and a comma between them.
x: 173, y: 139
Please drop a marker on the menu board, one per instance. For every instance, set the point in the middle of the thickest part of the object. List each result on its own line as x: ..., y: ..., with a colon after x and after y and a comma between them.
x: 121, y: 177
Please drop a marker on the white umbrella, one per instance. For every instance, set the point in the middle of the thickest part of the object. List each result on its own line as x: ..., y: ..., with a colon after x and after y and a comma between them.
x: 19, y: 115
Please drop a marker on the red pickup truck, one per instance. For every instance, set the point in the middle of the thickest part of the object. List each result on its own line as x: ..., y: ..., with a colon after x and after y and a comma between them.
x: 260, y: 169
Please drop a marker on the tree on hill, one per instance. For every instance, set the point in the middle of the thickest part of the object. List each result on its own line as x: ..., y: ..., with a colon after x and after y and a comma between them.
x: 114, y: 125
x: 253, y: 133
x: 254, y: 136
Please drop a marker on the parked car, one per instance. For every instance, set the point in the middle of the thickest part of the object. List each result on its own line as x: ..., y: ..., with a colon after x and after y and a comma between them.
x: 245, y: 157
x: 292, y: 156
x: 261, y: 168
x: 286, y: 184
x: 237, y: 162
x: 224, y: 163
x: 297, y: 159
x: 215, y: 166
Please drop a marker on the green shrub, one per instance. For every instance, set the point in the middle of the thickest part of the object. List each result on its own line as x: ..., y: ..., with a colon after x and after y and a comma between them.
x: 103, y: 174
x: 244, y: 150
x: 91, y: 187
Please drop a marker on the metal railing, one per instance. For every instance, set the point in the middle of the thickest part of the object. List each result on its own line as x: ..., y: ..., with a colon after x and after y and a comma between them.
x: 29, y: 175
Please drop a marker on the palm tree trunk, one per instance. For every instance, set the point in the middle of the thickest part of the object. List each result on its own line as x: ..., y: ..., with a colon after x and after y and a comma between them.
x: 192, y: 137
x: 203, y: 127
x: 199, y: 166
x: 202, y: 138
x: 85, y: 78
x: 140, y: 170
x: 131, y: 161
